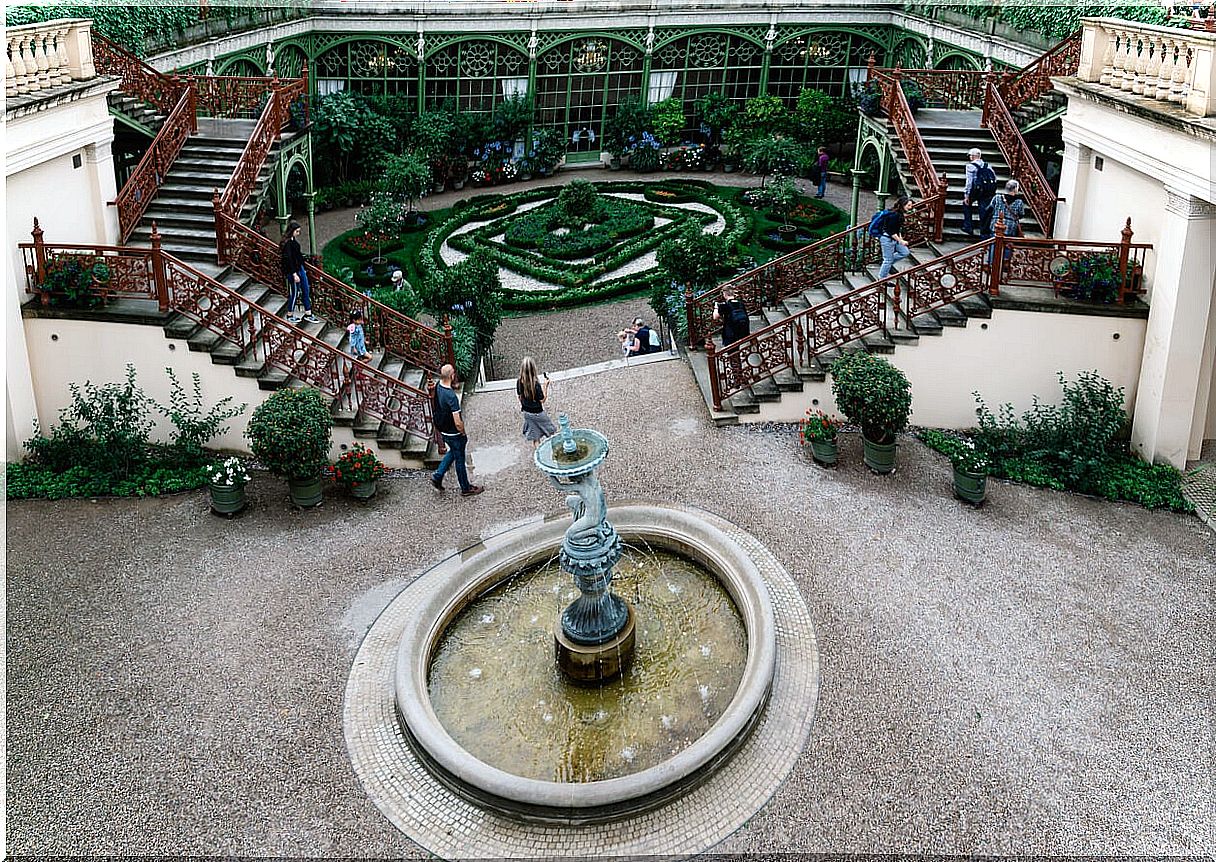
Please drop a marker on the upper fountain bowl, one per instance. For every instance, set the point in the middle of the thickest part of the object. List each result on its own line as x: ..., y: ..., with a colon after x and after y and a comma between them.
x: 590, y: 450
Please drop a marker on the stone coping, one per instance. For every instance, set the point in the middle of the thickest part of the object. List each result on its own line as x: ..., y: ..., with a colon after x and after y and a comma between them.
x: 451, y: 826
x: 1014, y: 298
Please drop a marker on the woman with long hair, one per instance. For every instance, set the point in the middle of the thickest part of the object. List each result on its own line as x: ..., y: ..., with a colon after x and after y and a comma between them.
x: 292, y: 264
x: 532, y: 395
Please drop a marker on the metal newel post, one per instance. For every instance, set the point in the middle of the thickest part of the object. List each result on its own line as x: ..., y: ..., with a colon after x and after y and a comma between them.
x: 221, y: 250
x: 939, y: 218
x: 158, y: 271
x: 305, y: 97
x: 996, y: 266
x: 870, y: 63
x: 449, y: 351
x: 714, y: 388
x: 690, y: 316
x: 1124, y: 253
x: 39, y: 262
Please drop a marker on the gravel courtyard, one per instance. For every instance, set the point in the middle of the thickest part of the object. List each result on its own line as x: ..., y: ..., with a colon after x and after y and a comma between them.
x: 1033, y: 677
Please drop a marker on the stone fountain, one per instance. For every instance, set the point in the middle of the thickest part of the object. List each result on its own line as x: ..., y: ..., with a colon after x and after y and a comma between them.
x: 595, y: 637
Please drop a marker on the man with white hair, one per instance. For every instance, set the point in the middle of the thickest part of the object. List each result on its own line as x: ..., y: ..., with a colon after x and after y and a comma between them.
x: 979, y: 190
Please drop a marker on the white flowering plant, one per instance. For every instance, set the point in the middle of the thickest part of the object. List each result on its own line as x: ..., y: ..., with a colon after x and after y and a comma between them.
x: 229, y: 473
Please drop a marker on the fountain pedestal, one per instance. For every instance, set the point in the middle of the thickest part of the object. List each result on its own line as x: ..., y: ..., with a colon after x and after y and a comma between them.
x: 594, y: 640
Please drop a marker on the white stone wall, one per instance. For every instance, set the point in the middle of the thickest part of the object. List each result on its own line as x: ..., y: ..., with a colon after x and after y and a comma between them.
x: 1013, y: 359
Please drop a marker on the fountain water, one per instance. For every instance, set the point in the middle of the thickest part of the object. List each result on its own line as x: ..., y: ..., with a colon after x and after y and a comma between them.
x: 595, y: 640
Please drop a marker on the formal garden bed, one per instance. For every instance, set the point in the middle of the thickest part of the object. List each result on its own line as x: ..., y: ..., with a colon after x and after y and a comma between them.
x: 548, y: 260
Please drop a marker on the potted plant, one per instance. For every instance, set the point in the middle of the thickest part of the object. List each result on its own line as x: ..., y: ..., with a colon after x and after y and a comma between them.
x: 914, y: 95
x: 289, y: 434
x: 358, y: 469
x: 869, y: 100
x: 819, y: 437
x: 525, y: 169
x: 875, y: 395
x: 227, y: 481
x: 1097, y: 277
x: 782, y: 196
x: 971, y: 468
x: 382, y: 221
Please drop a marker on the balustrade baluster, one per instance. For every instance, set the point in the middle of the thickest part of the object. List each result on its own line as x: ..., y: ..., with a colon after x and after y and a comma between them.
x: 40, y: 61
x: 1150, y: 60
x: 10, y: 72
x: 1108, y: 58
x: 1165, y: 73
x: 1122, y: 59
x: 29, y: 68
x: 61, y: 55
x: 1181, y: 68
x: 1129, y: 66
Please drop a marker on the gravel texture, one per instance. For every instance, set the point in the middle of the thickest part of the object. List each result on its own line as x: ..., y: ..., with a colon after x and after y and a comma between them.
x: 1032, y: 677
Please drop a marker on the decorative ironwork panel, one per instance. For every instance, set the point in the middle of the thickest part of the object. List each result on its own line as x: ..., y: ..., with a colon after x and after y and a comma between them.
x: 230, y: 97
x: 144, y: 182
x: 1040, y: 196
x: 755, y: 358
x: 956, y: 89
x: 943, y: 281
x: 1061, y: 61
x: 844, y: 318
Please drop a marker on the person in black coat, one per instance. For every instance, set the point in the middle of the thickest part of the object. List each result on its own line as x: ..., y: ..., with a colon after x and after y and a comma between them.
x: 292, y: 263
x: 733, y: 314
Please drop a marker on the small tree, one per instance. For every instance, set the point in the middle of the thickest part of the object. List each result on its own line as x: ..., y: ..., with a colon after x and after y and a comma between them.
x: 406, y: 177
x: 717, y: 114
x: 577, y: 200
x: 512, y: 116
x: 764, y: 115
x: 471, y: 288
x: 382, y: 220
x: 622, y: 130
x: 769, y: 154
x: 782, y: 195
x: 693, y: 257
x: 872, y: 393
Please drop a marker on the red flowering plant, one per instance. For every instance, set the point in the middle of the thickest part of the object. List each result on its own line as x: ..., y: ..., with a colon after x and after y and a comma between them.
x: 358, y: 466
x: 818, y: 426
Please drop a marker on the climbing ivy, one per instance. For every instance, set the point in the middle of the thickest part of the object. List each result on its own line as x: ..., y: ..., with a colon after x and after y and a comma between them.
x: 128, y: 24
x: 1050, y: 18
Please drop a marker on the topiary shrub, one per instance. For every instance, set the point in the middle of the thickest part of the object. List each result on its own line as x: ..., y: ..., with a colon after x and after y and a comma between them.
x: 872, y: 393
x: 577, y: 201
x: 289, y: 433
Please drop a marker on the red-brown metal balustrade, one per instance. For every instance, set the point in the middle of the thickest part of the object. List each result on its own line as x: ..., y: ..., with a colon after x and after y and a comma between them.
x: 154, y: 274
x: 255, y: 254
x: 894, y: 301
x: 826, y: 260
x: 170, y: 96
x: 1034, y: 80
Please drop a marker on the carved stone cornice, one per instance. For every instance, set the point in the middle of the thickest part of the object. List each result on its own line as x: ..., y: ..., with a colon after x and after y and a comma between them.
x: 1188, y: 206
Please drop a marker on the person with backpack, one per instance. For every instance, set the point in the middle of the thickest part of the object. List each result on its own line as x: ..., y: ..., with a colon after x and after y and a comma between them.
x: 1010, y: 207
x: 733, y: 314
x: 887, y: 225
x: 979, y: 191
x: 645, y: 339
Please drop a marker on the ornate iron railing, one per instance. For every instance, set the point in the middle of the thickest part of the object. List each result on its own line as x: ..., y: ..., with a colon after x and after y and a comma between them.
x: 931, y: 184
x: 169, y: 96
x: 1037, y: 191
x: 830, y: 258
x: 956, y: 89
x: 231, y: 97
x: 881, y: 305
x: 153, y: 274
x: 1035, y: 80
x: 255, y: 254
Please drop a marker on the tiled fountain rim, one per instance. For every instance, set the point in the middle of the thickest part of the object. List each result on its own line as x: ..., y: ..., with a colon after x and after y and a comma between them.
x: 457, y: 580
x: 451, y: 827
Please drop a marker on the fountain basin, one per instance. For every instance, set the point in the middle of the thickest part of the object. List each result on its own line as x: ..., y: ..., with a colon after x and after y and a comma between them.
x: 460, y: 580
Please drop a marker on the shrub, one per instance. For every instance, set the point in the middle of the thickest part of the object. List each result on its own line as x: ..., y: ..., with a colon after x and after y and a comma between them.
x: 289, y: 433
x: 667, y: 120
x: 644, y: 159
x: 693, y: 257
x: 818, y: 426
x: 577, y: 201
x: 962, y: 451
x: 195, y: 424
x: 471, y: 288
x: 872, y: 393
x: 403, y: 299
x: 464, y: 345
x: 104, y: 430
x: 229, y: 473
x: 69, y: 280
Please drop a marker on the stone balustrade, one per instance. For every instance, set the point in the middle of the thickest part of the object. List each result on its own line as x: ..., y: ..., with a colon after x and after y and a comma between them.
x: 47, y: 55
x: 1166, y: 64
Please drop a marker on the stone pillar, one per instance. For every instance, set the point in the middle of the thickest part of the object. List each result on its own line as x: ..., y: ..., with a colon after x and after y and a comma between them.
x: 100, y: 161
x: 1171, y: 371
x: 1203, y: 425
x: 1074, y: 173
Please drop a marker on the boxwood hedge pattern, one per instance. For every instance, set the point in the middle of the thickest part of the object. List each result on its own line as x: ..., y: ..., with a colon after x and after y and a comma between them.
x: 573, y: 281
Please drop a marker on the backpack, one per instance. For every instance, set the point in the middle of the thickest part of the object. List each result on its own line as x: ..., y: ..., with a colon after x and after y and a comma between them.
x: 983, y: 187
x: 655, y: 340
x: 737, y: 315
x: 876, y: 223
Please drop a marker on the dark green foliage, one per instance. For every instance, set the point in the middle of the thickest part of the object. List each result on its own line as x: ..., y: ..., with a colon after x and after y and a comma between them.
x: 512, y: 116
x: 771, y: 154
x: 69, y: 279
x: 1077, y: 445
x: 667, y: 120
x: 105, y: 429
x: 1052, y: 19
x: 1097, y: 278
x: 693, y: 258
x: 623, y: 128
x: 823, y: 120
x: 194, y: 423
x: 161, y: 476
x: 718, y: 113
x: 872, y: 393
x: 644, y: 159
x: 289, y: 433
x: 347, y: 136
x: 404, y: 300
x: 668, y: 304
x: 763, y: 115
x: 607, y: 222
x: 464, y: 345
x: 577, y: 200
x: 471, y: 289
x: 406, y: 177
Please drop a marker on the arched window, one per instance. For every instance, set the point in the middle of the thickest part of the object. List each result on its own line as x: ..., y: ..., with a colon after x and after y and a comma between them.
x: 580, y: 82
x: 829, y: 61
x: 474, y: 74
x: 692, y: 66
x: 369, y: 67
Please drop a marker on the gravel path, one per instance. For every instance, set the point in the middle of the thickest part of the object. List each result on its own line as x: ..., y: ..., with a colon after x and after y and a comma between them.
x: 1033, y: 677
